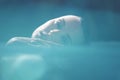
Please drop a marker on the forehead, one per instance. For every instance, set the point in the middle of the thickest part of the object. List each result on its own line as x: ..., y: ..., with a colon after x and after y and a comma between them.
x: 62, y: 21
x: 68, y: 20
x: 71, y: 22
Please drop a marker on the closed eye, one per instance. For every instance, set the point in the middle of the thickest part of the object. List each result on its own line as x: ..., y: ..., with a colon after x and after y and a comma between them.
x: 60, y: 23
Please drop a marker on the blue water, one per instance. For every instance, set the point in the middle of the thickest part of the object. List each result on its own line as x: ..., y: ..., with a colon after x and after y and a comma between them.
x: 97, y: 61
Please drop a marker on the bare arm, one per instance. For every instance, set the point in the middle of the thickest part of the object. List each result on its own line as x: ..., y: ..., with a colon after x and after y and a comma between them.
x: 31, y: 41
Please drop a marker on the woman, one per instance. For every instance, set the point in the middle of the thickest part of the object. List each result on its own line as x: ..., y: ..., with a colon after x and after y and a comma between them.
x: 65, y: 30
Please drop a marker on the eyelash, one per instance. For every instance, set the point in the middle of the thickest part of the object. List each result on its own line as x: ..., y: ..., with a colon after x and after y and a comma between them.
x: 60, y: 23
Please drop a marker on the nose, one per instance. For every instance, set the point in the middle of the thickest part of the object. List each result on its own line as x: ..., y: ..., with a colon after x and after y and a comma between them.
x: 53, y: 31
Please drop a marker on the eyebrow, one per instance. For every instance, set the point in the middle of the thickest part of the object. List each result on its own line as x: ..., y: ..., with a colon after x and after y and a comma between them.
x: 60, y: 23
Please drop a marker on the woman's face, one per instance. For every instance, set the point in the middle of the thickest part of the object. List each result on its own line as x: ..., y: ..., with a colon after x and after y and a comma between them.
x: 63, y: 30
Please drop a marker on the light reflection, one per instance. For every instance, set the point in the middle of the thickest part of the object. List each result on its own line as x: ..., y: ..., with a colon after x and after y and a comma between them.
x: 23, y: 67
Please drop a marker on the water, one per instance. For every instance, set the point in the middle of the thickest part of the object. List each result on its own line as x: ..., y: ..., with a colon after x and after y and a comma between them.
x: 98, y: 61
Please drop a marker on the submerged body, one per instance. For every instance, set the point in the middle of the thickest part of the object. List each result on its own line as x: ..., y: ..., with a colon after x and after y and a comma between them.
x: 65, y: 30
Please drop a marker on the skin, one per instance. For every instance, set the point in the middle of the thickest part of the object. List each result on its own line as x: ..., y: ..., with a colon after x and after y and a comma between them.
x: 65, y: 30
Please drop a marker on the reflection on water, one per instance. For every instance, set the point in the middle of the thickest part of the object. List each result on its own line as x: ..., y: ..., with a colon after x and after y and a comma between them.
x: 98, y: 61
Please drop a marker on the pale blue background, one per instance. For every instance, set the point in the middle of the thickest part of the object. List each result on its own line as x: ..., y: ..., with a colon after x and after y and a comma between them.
x: 101, y: 23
